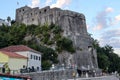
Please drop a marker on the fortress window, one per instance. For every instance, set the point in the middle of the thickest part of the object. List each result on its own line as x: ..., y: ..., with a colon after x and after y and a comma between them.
x: 59, y: 13
x: 19, y: 10
x: 23, y: 9
x: 31, y: 13
x: 45, y: 10
x: 32, y: 19
x: 40, y: 12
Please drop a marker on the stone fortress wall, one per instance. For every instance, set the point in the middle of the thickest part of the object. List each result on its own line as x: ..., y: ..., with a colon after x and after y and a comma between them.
x: 74, y: 26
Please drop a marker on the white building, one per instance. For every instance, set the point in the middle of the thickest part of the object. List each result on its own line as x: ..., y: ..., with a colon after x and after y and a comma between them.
x: 3, y: 22
x: 34, y: 57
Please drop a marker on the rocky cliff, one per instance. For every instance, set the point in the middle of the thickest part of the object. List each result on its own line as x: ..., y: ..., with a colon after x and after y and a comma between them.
x: 73, y: 25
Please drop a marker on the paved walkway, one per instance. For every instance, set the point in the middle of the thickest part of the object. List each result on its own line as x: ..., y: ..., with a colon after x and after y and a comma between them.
x: 98, y: 78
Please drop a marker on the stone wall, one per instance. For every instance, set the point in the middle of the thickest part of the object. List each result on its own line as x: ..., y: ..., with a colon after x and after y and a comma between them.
x: 73, y: 25
x: 51, y: 75
x: 65, y: 75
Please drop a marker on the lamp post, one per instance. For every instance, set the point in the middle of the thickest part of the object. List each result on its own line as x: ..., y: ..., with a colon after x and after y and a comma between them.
x: 74, y: 73
x: 53, y: 67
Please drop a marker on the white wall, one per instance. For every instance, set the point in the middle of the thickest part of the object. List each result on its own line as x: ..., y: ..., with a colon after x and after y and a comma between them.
x: 33, y: 59
x: 3, y: 22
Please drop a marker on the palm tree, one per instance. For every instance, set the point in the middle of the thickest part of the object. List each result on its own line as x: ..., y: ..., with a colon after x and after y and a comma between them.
x: 9, y: 20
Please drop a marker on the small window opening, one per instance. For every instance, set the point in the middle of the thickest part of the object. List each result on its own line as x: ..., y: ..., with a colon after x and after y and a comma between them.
x: 45, y: 10
x: 40, y: 12
x: 19, y: 10
x: 32, y: 19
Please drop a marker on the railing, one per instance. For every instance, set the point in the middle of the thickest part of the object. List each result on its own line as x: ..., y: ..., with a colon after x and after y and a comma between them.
x: 112, y: 77
x: 64, y: 75
x: 51, y: 75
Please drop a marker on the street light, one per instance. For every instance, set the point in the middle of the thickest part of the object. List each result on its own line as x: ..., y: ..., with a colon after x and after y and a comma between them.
x: 53, y: 67
x: 74, y: 73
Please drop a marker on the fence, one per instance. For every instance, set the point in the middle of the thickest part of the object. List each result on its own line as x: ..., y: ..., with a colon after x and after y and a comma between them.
x: 63, y: 75
x: 51, y: 75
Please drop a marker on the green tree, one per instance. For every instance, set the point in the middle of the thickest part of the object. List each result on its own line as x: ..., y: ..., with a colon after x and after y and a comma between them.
x: 103, y: 61
x: 107, y: 59
x: 65, y: 44
x: 48, y: 34
x: 9, y: 20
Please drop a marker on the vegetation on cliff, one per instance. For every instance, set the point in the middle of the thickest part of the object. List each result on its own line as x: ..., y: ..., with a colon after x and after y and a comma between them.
x: 40, y: 38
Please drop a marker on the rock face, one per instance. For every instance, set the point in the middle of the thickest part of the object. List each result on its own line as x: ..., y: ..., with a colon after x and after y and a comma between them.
x: 74, y: 26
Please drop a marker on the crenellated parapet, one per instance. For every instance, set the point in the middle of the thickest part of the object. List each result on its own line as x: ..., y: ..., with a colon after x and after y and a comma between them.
x: 29, y: 15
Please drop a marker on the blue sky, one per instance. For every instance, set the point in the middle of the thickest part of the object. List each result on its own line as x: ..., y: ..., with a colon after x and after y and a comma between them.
x: 102, y: 16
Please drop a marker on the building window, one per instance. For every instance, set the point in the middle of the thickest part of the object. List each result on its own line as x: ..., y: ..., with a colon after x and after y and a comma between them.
x: 38, y: 68
x: 39, y: 58
x: 19, y: 10
x: 36, y: 57
x: 24, y: 67
x: 31, y: 14
x: 31, y: 56
x: 23, y: 9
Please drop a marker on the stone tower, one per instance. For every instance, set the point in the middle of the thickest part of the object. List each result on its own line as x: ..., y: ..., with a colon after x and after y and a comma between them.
x: 74, y: 26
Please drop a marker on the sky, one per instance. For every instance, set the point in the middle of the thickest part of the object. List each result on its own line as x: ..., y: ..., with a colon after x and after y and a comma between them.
x: 102, y: 16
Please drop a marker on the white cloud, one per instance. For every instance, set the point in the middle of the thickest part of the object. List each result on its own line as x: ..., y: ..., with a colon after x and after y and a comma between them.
x: 111, y: 37
x: 48, y: 2
x: 35, y: 3
x: 61, y: 3
x: 117, y: 51
x: 109, y: 9
x: 117, y: 18
x: 102, y: 20
x: 87, y: 26
x: 97, y: 27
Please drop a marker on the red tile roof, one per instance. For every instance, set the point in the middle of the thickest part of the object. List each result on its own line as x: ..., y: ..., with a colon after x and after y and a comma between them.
x: 13, y: 55
x: 17, y: 48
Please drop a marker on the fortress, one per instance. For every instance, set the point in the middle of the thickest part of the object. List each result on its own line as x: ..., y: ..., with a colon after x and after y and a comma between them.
x: 74, y: 26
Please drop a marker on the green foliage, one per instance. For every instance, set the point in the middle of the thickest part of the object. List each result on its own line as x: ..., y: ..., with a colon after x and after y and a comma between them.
x: 65, y: 44
x: 57, y: 37
x: 107, y: 59
x: 47, y: 34
x: 8, y: 18
x: 13, y: 22
x: 46, y: 65
x: 57, y: 29
x: 103, y: 61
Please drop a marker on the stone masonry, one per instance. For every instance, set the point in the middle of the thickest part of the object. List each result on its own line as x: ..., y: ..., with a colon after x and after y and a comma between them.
x: 74, y: 26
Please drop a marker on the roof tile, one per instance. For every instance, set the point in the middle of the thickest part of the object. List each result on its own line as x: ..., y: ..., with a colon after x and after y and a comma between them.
x: 13, y: 55
x: 16, y: 48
